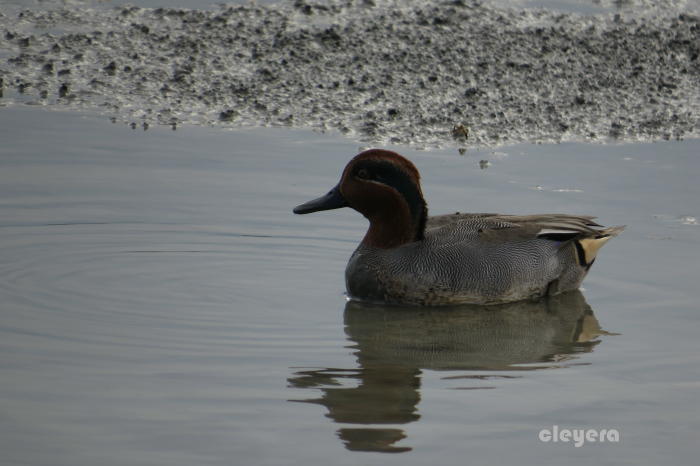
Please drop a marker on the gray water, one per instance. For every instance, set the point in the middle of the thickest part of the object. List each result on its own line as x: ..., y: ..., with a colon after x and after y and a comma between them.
x: 161, y: 305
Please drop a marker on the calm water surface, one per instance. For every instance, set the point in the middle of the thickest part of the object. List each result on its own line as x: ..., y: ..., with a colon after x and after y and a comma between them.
x: 161, y: 305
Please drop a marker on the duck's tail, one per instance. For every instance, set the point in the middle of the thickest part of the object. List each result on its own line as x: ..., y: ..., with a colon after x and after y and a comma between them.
x: 587, y: 247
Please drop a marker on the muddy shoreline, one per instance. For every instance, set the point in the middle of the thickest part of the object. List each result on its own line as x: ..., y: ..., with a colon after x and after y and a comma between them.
x: 426, y: 74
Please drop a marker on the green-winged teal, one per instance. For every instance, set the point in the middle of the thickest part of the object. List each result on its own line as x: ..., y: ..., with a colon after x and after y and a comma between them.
x: 407, y: 257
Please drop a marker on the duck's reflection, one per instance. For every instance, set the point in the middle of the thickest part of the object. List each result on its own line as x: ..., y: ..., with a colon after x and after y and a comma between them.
x: 394, y: 344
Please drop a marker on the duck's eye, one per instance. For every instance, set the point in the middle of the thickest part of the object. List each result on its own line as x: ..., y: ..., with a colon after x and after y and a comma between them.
x: 363, y: 173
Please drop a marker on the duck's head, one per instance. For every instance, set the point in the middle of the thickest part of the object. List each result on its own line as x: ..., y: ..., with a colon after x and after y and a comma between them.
x: 384, y: 187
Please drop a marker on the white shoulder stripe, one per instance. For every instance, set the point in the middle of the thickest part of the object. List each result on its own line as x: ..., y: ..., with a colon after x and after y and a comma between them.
x: 559, y: 231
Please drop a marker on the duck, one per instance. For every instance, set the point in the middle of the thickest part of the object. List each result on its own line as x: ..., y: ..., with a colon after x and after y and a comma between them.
x: 409, y: 258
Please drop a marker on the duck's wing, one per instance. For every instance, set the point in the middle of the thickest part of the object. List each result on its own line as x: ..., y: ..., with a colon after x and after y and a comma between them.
x: 539, y: 224
x: 588, y: 235
x: 542, y: 225
x: 551, y: 226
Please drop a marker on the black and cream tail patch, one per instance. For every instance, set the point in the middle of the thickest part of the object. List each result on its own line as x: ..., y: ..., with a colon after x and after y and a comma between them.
x: 587, y: 248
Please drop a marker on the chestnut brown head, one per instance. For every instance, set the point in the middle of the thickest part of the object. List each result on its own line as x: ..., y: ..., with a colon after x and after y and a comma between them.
x: 384, y: 187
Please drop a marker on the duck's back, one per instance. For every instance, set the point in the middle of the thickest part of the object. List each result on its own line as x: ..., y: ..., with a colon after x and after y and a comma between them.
x: 477, y: 258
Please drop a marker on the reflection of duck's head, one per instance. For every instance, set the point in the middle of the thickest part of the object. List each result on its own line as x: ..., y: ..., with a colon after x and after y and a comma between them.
x: 473, y: 337
x: 378, y: 440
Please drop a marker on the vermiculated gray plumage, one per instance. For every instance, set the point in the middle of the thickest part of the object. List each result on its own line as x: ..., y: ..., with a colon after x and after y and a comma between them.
x: 478, y: 258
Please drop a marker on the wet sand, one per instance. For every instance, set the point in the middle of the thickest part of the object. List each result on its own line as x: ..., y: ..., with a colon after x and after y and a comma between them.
x: 423, y: 73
